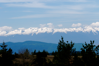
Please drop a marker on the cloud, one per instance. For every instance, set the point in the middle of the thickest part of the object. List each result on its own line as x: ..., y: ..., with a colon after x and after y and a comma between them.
x: 45, y: 4
x: 57, y: 8
x: 42, y: 25
x: 6, y: 30
x: 77, y: 0
x: 50, y: 25
x: 6, y: 1
x: 88, y: 29
x: 65, y: 12
x: 30, y: 31
x: 27, y: 11
x: 95, y: 24
x: 43, y: 30
x: 3, y: 33
x: 35, y: 16
x: 65, y: 30
x: 60, y: 25
x: 14, y: 32
x: 76, y: 25
x: 34, y: 4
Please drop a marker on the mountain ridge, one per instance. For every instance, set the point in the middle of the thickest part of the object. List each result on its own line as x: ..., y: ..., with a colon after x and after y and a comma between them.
x: 37, y: 45
x: 76, y: 37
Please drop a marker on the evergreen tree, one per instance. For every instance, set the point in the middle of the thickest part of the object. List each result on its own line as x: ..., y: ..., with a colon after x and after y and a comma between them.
x: 63, y: 55
x: 88, y: 54
x: 7, y: 57
x: 77, y: 61
x: 41, y: 58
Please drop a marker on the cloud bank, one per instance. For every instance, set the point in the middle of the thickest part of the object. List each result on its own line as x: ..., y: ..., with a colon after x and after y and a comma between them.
x: 76, y: 25
x: 49, y: 28
x: 52, y: 8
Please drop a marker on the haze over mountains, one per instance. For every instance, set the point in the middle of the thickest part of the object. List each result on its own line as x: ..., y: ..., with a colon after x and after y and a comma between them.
x: 36, y: 45
x: 47, y: 41
x: 76, y: 37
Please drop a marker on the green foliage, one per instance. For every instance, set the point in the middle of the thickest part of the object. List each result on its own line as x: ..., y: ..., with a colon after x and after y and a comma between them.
x: 88, y: 54
x: 63, y: 55
x: 16, y: 55
x: 77, y: 61
x: 7, y: 57
x: 54, y: 53
x: 40, y: 58
x: 34, y: 52
x: 24, y: 54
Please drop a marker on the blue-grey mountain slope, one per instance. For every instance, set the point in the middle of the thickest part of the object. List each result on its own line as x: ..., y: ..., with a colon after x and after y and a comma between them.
x: 37, y: 45
x: 76, y: 37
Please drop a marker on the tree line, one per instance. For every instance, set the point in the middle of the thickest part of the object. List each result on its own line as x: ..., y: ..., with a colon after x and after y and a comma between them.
x: 65, y: 55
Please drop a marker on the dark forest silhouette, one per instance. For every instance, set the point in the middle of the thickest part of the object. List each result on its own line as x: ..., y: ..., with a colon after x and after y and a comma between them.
x: 62, y: 57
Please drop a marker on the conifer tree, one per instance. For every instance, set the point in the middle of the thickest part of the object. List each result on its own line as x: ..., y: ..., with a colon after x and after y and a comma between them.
x: 40, y: 58
x: 7, y: 56
x: 77, y: 61
x: 63, y: 55
x: 88, y: 54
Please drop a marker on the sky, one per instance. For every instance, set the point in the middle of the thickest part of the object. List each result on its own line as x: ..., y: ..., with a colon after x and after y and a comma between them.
x: 25, y: 17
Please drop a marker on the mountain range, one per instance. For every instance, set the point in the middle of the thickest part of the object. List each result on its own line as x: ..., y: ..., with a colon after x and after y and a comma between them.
x: 76, y: 37
x: 36, y: 45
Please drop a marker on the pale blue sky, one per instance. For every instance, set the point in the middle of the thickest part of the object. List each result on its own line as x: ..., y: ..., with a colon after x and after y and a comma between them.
x: 40, y: 16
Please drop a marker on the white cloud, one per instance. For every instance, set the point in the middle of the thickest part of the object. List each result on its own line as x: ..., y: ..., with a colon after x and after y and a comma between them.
x: 77, y: 0
x: 43, y: 30
x: 65, y: 30
x: 96, y: 28
x: 5, y: 1
x: 32, y: 4
x: 56, y: 9
x: 30, y: 31
x: 27, y: 11
x: 95, y: 24
x: 35, y: 16
x: 21, y: 28
x: 11, y: 1
x: 14, y: 32
x: 88, y: 29
x: 65, y: 12
x: 42, y: 25
x: 60, y: 25
x: 2, y: 33
x: 6, y: 31
x: 50, y: 25
x: 44, y: 4
x: 5, y: 28
x: 76, y: 25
